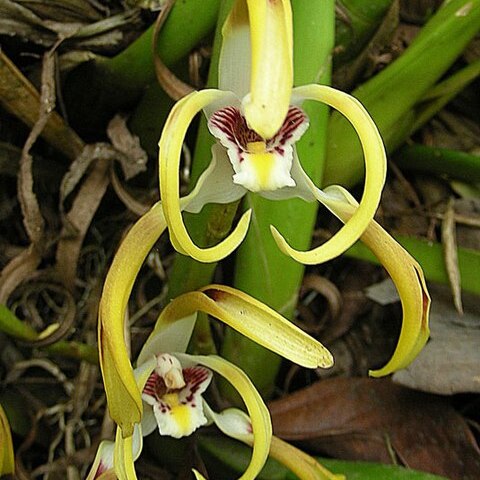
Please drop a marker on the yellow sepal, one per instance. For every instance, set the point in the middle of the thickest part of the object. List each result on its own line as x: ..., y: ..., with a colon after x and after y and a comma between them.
x: 123, y: 396
x: 407, y: 275
x: 257, y: 410
x: 271, y: 80
x: 251, y: 318
x: 375, y: 170
x: 170, y: 146
x: 7, y: 459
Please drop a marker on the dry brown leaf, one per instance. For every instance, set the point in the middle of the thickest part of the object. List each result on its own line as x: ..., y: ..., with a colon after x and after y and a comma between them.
x: 18, y: 270
x: 82, y: 22
x: 376, y: 420
x: 20, y: 98
x: 77, y: 169
x: 79, y: 218
x: 449, y: 244
x: 134, y: 158
x: 32, y: 217
x: 130, y: 202
x: 173, y: 86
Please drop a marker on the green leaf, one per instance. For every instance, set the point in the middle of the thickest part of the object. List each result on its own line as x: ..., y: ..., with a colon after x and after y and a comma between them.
x: 226, y: 458
x: 373, y: 471
x: 431, y: 258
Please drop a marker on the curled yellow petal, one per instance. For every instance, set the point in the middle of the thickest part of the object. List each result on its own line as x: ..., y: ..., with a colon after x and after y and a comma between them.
x: 375, y: 169
x: 271, y: 78
x: 7, y: 460
x: 257, y: 410
x: 407, y: 275
x: 123, y: 396
x: 251, y: 318
x: 170, y: 146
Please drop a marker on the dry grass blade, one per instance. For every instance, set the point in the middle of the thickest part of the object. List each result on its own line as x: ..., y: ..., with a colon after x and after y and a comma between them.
x: 20, y: 98
x: 32, y: 217
x: 173, y: 86
x: 18, y: 270
x: 135, y: 158
x: 327, y: 289
x: 130, y: 202
x: 79, y: 218
x: 449, y: 242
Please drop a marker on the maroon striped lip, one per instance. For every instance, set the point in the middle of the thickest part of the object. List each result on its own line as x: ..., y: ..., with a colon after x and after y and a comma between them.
x: 229, y: 126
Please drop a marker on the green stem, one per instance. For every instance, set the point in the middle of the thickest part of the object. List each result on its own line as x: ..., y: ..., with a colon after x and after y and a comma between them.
x: 14, y: 327
x: 214, y: 221
x: 355, y: 25
x: 391, y: 95
x: 261, y: 269
x: 442, y: 161
x: 442, y: 93
x: 107, y: 85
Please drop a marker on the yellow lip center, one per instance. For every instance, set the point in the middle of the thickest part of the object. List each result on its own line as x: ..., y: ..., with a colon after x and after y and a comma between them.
x: 262, y: 162
x: 181, y: 413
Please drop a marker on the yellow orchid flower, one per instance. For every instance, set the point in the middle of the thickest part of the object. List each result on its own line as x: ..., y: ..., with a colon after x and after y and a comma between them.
x: 7, y: 459
x: 256, y: 118
x: 170, y: 383
x: 238, y: 310
x: 268, y: 164
x: 256, y: 128
x: 245, y: 158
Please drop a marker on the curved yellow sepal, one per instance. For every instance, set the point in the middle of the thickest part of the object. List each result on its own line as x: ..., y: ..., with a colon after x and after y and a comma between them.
x: 375, y: 170
x: 170, y: 146
x: 271, y: 81
x: 407, y: 275
x: 257, y: 410
x: 7, y: 459
x: 250, y: 318
x: 123, y: 396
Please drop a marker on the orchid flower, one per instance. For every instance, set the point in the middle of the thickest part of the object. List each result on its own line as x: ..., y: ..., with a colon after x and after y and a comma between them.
x: 238, y: 310
x: 7, y: 460
x: 171, y: 382
x: 257, y: 122
x: 256, y: 118
x: 256, y: 128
